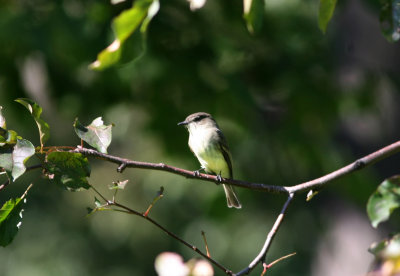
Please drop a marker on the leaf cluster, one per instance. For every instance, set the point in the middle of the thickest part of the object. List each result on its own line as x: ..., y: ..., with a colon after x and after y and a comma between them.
x: 64, y: 168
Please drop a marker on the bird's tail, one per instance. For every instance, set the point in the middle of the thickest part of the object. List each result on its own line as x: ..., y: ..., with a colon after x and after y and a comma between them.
x: 231, y: 197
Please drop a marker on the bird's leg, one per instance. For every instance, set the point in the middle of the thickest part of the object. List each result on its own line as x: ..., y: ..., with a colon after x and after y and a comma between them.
x: 219, y: 179
x: 197, y: 173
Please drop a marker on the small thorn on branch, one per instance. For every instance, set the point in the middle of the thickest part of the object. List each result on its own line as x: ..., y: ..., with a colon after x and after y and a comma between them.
x: 205, y: 242
x: 160, y: 194
x: 359, y: 164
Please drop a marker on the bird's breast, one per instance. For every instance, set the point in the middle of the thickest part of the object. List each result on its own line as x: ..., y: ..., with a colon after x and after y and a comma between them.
x: 204, y: 144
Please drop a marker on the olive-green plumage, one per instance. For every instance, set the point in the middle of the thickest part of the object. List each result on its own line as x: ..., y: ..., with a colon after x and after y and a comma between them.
x: 209, y: 145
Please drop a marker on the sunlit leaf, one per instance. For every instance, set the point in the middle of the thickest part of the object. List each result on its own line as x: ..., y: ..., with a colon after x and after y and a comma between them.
x: 390, y: 19
x: 118, y: 185
x: 70, y: 170
x: 124, y: 26
x: 11, y: 219
x: 2, y: 119
x: 13, y: 158
x: 36, y: 111
x: 326, y: 9
x: 384, y: 201
x: 253, y: 13
x: 96, y: 134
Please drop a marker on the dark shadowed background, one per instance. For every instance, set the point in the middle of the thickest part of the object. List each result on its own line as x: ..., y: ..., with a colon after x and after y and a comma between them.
x: 293, y: 103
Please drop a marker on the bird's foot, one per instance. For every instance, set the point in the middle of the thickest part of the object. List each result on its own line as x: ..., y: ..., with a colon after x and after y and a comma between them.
x: 219, y: 179
x: 197, y: 172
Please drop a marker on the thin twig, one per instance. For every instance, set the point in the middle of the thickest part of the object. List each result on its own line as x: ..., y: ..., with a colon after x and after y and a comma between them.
x: 268, y: 266
x: 160, y: 194
x: 97, y: 192
x: 206, y: 244
x: 169, y: 233
x: 261, y: 256
x: 280, y: 259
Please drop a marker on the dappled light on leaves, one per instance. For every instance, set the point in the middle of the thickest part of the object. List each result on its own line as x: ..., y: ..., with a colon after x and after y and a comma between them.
x: 96, y: 134
x: 13, y: 158
x: 69, y: 170
x: 124, y: 26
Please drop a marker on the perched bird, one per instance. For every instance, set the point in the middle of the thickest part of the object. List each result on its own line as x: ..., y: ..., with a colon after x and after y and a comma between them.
x: 209, y: 145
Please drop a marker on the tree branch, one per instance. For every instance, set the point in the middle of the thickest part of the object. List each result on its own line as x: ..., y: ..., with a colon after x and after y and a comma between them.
x: 145, y: 216
x: 355, y: 166
x: 261, y: 256
x: 126, y: 163
x: 289, y: 190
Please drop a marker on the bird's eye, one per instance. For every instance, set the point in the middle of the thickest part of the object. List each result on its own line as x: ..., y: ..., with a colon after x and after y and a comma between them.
x: 198, y: 118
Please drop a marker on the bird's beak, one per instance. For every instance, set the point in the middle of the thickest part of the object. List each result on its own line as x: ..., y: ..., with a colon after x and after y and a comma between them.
x: 182, y: 123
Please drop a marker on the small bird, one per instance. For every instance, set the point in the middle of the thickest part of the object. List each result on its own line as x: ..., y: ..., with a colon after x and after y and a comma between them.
x: 209, y: 145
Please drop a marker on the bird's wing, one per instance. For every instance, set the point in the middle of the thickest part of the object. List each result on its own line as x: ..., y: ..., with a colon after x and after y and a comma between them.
x: 225, y: 152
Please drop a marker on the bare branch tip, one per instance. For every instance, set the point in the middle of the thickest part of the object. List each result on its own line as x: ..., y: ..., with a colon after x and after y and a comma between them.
x: 121, y: 167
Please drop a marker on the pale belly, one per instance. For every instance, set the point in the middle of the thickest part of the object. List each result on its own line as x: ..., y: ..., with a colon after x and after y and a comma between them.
x: 209, y: 155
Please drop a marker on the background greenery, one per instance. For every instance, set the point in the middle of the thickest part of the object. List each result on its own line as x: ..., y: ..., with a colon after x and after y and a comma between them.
x: 294, y: 104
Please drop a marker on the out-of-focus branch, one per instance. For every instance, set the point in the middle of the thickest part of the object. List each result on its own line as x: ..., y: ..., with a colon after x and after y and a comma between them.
x: 125, y: 209
x: 306, y: 186
x: 261, y: 256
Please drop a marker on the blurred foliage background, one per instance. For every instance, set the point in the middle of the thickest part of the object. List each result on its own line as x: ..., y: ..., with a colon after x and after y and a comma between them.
x: 293, y: 103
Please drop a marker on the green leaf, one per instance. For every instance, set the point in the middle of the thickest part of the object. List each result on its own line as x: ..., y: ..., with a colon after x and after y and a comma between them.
x: 125, y: 26
x: 36, y: 111
x: 326, y: 9
x: 68, y: 169
x: 11, y: 219
x: 96, y: 134
x: 384, y: 201
x: 253, y: 14
x: 2, y: 119
x: 390, y: 19
x: 13, y: 158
